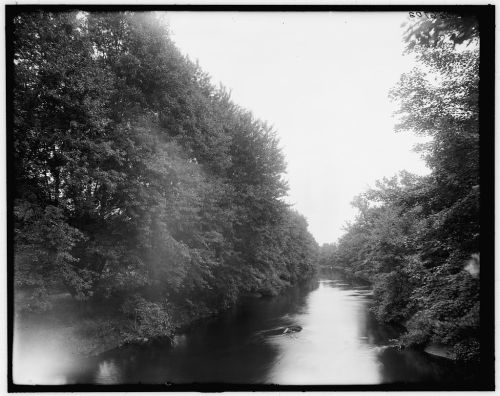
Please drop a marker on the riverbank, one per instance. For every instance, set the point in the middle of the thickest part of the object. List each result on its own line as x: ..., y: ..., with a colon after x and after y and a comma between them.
x: 66, y: 328
x: 92, y: 329
x: 80, y: 335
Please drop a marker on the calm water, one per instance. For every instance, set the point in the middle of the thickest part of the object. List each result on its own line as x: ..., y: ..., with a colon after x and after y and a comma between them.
x: 340, y: 343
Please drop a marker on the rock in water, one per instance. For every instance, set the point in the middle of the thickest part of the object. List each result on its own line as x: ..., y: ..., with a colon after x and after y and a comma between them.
x: 282, y: 330
x: 439, y: 350
x: 292, y: 329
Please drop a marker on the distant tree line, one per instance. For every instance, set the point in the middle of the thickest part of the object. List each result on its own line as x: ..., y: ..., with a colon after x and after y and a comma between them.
x: 417, y: 238
x: 136, y: 181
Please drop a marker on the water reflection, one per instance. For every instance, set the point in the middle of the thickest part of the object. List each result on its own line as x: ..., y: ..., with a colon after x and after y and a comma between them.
x: 38, y: 358
x: 330, y: 349
x: 38, y: 366
x: 340, y: 343
x: 108, y: 373
x: 229, y: 348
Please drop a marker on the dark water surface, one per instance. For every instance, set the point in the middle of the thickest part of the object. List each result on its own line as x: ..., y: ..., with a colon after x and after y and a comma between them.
x: 340, y: 343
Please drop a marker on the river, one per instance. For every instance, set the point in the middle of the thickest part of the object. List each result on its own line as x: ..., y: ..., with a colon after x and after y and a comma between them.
x: 340, y: 344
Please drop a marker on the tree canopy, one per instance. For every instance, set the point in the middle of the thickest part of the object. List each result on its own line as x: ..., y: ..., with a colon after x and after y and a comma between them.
x: 136, y: 180
x: 415, y: 236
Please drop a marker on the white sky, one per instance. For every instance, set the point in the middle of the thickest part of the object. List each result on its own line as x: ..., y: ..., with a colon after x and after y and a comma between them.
x: 322, y: 79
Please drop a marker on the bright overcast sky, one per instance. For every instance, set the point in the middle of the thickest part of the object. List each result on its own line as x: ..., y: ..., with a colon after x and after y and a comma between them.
x: 322, y: 79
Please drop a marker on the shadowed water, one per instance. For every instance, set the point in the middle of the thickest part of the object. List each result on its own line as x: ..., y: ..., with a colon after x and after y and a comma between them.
x: 339, y: 343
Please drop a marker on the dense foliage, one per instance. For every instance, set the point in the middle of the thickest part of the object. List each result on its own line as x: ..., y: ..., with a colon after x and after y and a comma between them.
x: 137, y: 182
x: 417, y: 238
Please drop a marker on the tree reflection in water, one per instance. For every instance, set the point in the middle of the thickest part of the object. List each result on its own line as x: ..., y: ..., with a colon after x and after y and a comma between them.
x: 340, y: 343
